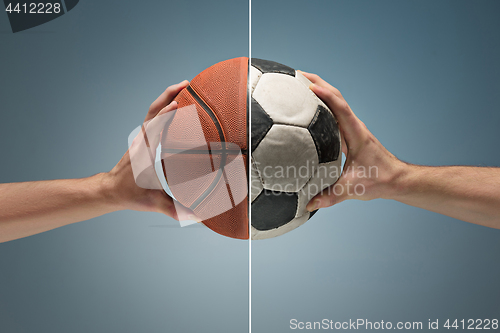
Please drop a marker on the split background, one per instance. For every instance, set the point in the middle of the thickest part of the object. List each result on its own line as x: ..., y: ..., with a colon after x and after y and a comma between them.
x: 423, y: 75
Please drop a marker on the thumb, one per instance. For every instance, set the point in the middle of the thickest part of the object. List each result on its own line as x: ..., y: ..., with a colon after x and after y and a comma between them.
x: 329, y: 196
x: 175, y: 209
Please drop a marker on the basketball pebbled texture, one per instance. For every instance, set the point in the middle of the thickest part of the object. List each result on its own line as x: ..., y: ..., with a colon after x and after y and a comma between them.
x: 219, y: 94
x: 291, y: 126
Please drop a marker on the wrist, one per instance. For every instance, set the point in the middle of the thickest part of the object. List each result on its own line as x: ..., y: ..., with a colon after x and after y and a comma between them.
x: 400, y: 182
x: 106, y: 191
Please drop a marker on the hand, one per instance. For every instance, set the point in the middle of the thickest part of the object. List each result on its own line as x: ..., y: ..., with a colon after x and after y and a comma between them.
x: 30, y: 208
x: 369, y: 167
x: 120, y: 180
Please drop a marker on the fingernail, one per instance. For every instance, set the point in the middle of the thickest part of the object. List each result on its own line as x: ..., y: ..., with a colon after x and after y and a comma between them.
x: 312, y: 206
x: 312, y: 86
x: 194, y: 218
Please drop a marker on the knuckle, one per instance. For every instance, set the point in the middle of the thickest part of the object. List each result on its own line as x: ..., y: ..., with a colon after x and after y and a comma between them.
x: 315, y: 77
x: 328, y: 93
x: 332, y: 200
x: 368, y: 140
x: 169, y: 91
x: 151, y: 107
x: 344, y: 106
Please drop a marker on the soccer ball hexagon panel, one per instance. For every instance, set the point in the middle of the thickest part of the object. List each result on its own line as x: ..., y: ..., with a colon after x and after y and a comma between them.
x: 295, y: 148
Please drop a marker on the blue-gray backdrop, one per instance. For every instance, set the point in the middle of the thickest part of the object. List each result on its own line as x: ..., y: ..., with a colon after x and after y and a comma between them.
x: 424, y: 77
x: 71, y: 92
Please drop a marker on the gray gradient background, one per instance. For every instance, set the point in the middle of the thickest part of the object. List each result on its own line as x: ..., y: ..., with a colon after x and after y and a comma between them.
x: 71, y: 92
x: 424, y: 77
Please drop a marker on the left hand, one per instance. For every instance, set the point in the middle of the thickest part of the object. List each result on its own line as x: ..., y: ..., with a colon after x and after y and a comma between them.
x: 120, y: 181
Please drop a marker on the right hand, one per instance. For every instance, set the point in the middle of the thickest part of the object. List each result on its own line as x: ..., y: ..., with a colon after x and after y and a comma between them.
x: 369, y: 168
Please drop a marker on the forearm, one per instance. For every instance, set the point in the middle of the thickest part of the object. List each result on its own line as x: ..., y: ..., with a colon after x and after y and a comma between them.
x: 32, y: 207
x: 471, y: 194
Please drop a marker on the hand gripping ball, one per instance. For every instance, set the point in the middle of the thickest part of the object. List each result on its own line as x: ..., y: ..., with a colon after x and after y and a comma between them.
x: 294, y: 147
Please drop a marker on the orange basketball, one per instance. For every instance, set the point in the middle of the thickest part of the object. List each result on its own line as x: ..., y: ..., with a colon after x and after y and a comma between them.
x: 201, y: 158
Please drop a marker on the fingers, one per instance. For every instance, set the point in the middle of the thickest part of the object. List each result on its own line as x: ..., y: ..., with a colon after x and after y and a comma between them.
x: 317, y: 80
x: 165, y: 99
x: 328, y: 197
x: 328, y: 91
x: 168, y: 108
x: 165, y: 205
x: 345, y: 117
x: 351, y: 127
x: 142, y: 151
x: 174, y: 209
x: 153, y: 128
x: 344, y: 144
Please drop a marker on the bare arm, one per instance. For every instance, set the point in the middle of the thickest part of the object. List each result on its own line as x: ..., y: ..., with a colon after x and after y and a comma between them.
x: 32, y: 207
x: 471, y: 194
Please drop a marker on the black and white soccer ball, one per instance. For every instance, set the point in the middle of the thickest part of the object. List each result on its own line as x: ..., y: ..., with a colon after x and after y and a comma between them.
x: 295, y: 148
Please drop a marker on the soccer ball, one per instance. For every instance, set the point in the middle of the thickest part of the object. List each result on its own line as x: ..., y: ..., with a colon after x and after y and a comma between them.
x: 295, y: 148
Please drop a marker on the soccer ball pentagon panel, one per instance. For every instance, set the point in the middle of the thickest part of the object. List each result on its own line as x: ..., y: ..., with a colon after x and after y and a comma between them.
x: 295, y: 148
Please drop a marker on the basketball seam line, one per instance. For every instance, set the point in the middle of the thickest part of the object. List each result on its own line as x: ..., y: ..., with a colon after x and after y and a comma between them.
x: 217, y: 124
x: 209, y: 111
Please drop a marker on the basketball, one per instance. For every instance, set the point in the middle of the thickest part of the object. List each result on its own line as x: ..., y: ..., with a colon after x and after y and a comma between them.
x: 294, y: 143
x: 201, y: 145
